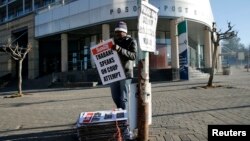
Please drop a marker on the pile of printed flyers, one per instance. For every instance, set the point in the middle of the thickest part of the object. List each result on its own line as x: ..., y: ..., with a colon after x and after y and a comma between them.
x: 102, y: 125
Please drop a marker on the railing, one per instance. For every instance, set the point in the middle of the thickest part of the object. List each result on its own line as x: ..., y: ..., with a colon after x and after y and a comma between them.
x: 37, y: 11
x: 53, y: 5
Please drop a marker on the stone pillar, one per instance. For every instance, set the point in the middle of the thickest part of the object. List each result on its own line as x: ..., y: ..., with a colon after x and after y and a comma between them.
x: 64, y: 52
x: 105, y: 32
x: 208, y: 51
x: 212, y: 50
x: 174, y: 50
x: 219, y: 68
x: 93, y: 43
x: 33, y: 55
x: 198, y: 56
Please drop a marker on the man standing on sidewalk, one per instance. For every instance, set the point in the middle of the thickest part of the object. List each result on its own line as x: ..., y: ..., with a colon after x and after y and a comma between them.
x: 126, y: 48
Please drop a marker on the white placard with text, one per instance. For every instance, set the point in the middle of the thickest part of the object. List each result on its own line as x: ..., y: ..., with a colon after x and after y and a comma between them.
x: 148, y: 17
x: 107, y: 62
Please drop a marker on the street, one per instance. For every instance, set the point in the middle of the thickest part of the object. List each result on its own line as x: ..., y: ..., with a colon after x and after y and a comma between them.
x: 182, y: 110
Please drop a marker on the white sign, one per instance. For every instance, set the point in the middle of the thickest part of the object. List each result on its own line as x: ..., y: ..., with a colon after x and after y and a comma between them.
x: 148, y: 17
x: 108, y: 62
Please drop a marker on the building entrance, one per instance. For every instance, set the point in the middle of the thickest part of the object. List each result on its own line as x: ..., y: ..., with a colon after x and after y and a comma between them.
x: 50, y: 57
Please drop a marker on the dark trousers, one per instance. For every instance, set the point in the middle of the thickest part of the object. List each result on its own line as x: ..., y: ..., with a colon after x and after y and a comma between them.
x: 120, y: 91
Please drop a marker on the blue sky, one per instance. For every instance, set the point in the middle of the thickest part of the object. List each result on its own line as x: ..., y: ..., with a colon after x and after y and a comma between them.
x: 235, y: 11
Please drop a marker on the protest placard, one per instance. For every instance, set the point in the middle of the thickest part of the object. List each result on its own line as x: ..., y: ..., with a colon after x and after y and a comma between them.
x: 107, y: 62
x: 147, y: 23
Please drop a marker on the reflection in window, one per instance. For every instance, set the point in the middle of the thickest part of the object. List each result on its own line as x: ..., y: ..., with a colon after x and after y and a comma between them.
x: 161, y: 59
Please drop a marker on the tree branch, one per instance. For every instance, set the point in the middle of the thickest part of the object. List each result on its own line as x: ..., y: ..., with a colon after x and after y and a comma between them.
x: 17, y: 52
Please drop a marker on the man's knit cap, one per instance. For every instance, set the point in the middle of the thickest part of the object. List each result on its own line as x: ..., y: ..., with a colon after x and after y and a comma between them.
x: 121, y: 26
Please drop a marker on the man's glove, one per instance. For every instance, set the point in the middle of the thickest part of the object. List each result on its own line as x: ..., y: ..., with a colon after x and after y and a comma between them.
x: 116, y: 47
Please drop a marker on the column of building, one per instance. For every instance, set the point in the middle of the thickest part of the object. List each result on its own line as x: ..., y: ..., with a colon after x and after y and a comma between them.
x: 64, y: 52
x: 105, y: 31
x: 198, y: 56
x: 219, y: 69
x: 33, y: 55
x: 93, y: 41
x: 207, y: 50
x: 7, y: 64
x: 174, y: 50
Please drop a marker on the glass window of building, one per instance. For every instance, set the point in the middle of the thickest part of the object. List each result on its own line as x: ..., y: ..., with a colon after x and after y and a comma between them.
x: 73, y: 55
x: 3, y: 14
x: 28, y: 6
x: 161, y: 59
x: 15, y: 9
x: 2, y: 2
x: 43, y: 3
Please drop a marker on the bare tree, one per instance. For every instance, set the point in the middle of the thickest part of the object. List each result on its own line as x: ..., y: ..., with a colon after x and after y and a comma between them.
x: 217, y: 36
x: 17, y: 53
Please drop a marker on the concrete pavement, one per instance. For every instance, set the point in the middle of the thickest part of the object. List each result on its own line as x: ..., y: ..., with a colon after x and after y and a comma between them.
x: 181, y: 110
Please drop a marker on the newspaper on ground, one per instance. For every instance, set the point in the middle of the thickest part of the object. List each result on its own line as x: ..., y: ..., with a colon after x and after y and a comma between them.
x: 102, y: 125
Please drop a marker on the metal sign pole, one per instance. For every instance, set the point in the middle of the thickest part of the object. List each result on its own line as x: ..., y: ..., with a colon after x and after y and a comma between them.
x: 143, y: 105
x: 147, y: 23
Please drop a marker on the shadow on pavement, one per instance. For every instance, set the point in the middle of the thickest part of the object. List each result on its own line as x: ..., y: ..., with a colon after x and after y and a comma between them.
x: 171, y: 84
x: 53, y: 135
x: 199, y: 111
x: 8, y: 105
x: 59, y: 135
x: 27, y: 90
x: 9, y: 91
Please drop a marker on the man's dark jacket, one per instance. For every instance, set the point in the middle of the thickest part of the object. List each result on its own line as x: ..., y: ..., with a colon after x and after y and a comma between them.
x: 127, y: 51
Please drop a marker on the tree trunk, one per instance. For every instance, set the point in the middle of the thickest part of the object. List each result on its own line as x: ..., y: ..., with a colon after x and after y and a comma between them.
x: 20, y: 77
x: 211, y: 77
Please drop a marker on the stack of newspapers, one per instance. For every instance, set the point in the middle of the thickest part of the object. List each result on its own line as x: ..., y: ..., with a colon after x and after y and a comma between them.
x: 102, y: 125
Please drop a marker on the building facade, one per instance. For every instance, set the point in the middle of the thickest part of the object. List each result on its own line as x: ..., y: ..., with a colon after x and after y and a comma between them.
x: 62, y: 33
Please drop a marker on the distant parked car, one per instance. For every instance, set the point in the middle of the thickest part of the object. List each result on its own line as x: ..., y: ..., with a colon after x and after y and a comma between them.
x: 247, y: 66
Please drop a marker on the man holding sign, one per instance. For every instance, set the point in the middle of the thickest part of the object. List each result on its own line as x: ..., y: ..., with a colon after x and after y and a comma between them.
x: 126, y: 48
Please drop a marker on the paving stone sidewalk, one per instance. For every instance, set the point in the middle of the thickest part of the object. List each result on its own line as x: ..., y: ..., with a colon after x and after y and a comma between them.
x: 181, y: 110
